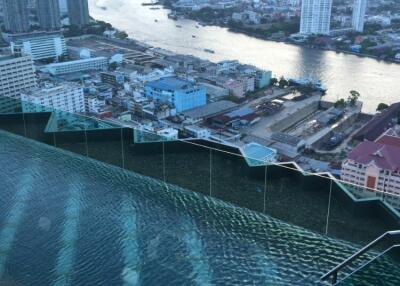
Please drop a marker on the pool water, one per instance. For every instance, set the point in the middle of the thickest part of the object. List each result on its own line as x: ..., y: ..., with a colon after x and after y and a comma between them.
x: 69, y: 220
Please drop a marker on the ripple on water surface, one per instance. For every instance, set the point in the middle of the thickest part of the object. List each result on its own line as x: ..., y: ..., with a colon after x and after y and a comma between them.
x: 87, y: 223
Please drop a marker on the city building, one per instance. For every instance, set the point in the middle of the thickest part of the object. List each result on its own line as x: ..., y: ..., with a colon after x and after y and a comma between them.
x: 375, y: 165
x: 16, y: 16
x: 315, y: 17
x: 209, y: 110
x: 214, y: 91
x: 99, y: 63
x: 263, y: 78
x: 48, y: 13
x: 78, y: 12
x: 63, y: 7
x: 94, y: 104
x: 67, y: 97
x: 244, y: 116
x: 379, y: 124
x: 41, y: 45
x: 183, y: 94
x: 198, y: 132
x: 168, y: 134
x: 235, y: 87
x: 358, y: 19
x: 16, y: 74
x: 113, y: 78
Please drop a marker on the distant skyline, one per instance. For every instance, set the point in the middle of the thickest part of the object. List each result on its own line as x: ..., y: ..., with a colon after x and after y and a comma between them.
x: 78, y: 12
x: 48, y: 13
x: 16, y: 16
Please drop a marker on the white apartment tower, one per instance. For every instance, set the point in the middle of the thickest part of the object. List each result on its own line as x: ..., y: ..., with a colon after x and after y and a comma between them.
x: 315, y: 17
x: 359, y: 9
x: 16, y: 75
x: 67, y: 97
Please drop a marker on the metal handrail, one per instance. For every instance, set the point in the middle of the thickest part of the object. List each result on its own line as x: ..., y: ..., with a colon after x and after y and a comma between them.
x: 334, y: 272
x: 369, y: 262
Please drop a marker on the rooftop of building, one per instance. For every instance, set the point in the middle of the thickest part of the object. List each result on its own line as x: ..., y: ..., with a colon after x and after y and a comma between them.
x: 384, y: 156
x: 35, y: 35
x: 389, y: 140
x: 8, y: 56
x: 75, y: 62
x: 244, y: 113
x: 210, y: 109
x: 378, y: 124
x: 50, y: 87
x: 170, y: 83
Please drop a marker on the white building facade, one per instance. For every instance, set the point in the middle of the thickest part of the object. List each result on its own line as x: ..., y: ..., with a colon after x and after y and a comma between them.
x: 99, y: 63
x: 16, y: 75
x: 315, y: 17
x: 359, y: 8
x: 66, y: 97
x: 372, y: 169
x: 41, y: 46
x: 93, y: 104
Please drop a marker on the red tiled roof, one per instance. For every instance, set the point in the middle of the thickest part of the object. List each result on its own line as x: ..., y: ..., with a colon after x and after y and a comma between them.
x: 384, y: 156
x: 389, y: 140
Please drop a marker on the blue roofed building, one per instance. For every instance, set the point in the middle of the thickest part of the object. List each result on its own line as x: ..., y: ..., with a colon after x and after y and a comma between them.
x: 181, y: 93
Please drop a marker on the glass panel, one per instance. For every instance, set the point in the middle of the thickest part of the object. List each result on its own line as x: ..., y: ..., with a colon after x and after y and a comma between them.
x: 384, y: 270
x: 11, y: 117
x: 36, y: 119
x: 188, y: 165
x: 234, y: 181
x: 141, y: 157
x: 300, y: 199
x: 104, y: 144
x: 68, y: 132
x: 357, y: 214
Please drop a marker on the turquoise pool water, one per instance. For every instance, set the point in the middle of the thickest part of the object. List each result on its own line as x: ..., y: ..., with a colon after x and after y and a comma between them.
x: 69, y: 220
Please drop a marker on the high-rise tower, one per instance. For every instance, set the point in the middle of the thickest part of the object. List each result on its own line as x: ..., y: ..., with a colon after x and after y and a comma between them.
x: 78, y: 12
x: 359, y: 9
x: 315, y: 17
x: 16, y: 16
x: 48, y: 12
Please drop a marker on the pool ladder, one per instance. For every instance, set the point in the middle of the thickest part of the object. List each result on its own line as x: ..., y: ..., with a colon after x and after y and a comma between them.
x: 333, y: 273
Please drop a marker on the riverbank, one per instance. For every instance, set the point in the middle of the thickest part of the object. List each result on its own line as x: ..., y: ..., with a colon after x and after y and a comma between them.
x: 304, y: 45
x: 274, y: 32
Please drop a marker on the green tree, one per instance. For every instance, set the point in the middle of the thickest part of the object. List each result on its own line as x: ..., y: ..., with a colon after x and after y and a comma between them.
x: 353, y: 97
x: 283, y: 82
x: 382, y: 106
x: 341, y: 103
x: 306, y: 88
x: 113, y: 66
x: 121, y: 35
x: 274, y: 81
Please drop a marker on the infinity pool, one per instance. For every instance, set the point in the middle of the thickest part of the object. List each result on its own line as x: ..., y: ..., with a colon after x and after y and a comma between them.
x: 69, y: 220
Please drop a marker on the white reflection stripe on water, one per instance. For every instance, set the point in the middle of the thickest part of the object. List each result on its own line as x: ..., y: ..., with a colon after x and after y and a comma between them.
x: 197, y: 256
x: 66, y: 254
x: 14, y: 217
x: 130, y: 247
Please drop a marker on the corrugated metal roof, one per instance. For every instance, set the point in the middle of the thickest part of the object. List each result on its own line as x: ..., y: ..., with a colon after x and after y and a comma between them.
x: 170, y: 83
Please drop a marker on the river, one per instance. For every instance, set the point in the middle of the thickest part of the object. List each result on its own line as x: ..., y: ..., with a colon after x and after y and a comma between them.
x: 377, y: 81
